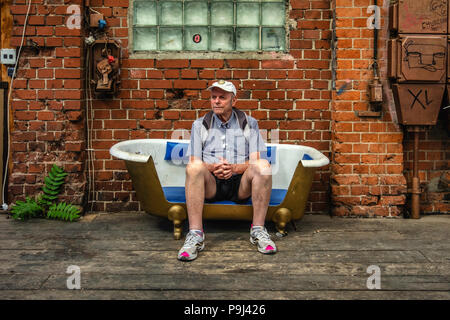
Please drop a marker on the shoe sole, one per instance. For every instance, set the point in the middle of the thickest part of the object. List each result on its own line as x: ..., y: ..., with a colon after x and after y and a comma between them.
x: 193, y: 257
x: 260, y: 249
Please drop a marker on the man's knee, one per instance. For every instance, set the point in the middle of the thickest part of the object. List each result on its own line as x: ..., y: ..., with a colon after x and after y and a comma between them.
x: 261, y: 167
x: 194, y: 168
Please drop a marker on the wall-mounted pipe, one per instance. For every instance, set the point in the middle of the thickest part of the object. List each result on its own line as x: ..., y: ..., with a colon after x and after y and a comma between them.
x: 333, y: 49
x: 415, y: 189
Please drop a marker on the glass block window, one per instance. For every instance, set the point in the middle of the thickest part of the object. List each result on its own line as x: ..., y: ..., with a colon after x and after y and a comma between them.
x: 209, y: 25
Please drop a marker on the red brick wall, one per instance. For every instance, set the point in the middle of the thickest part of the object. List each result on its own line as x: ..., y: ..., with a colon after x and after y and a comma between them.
x: 372, y: 157
x: 367, y: 167
x: 47, y: 101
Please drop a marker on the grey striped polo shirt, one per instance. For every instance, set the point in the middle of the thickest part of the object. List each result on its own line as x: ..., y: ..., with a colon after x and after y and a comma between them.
x: 226, y: 140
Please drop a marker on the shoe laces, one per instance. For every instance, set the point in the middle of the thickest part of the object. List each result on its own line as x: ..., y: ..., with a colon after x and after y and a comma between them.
x: 192, y: 239
x: 261, y: 234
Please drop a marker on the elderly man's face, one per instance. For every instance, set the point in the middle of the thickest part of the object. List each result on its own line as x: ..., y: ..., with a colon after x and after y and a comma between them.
x: 222, y: 103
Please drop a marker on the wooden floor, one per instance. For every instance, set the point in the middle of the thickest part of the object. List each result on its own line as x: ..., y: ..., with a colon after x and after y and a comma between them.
x: 133, y: 256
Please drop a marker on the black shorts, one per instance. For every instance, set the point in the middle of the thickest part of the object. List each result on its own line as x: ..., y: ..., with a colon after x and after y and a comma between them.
x: 228, y: 190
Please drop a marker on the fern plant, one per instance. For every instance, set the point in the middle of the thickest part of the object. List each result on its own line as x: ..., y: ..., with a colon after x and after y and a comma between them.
x: 45, y: 204
x: 63, y: 211
x: 24, y: 210
x: 52, y: 185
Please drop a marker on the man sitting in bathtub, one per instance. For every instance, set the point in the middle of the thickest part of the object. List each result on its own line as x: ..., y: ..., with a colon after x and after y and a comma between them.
x: 225, y: 164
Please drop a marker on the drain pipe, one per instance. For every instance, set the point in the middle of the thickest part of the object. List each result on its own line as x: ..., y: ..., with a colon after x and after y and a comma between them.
x: 415, y: 190
x: 375, y: 86
x: 375, y: 42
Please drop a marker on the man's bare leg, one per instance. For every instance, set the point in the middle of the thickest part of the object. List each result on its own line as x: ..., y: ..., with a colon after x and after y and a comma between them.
x: 257, y: 182
x: 200, y: 184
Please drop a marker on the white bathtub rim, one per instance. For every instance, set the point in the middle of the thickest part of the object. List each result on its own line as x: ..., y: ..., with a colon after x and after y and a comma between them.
x: 320, y: 159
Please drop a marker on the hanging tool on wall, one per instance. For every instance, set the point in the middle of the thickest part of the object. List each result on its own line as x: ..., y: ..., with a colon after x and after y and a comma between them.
x: 106, y: 58
x: 107, y: 69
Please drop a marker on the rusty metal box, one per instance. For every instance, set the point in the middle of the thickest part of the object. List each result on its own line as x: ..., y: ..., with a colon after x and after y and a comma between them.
x: 393, y: 58
x: 418, y: 104
x: 415, y: 58
x: 393, y: 17
x: 420, y: 16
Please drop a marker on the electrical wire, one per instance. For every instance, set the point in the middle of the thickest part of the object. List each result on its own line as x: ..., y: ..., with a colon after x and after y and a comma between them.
x: 89, y: 128
x: 5, y: 205
x: 92, y: 195
x: 94, y: 10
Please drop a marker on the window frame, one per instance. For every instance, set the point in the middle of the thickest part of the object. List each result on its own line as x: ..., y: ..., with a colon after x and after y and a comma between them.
x: 205, y: 54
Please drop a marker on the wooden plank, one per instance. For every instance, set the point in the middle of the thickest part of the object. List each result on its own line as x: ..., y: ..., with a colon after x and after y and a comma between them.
x: 437, y: 255
x: 171, y: 266
x: 23, y: 282
x: 216, y: 242
x: 310, y: 223
x: 331, y: 229
x: 302, y: 256
x: 243, y: 282
x: 142, y: 232
x: 64, y: 294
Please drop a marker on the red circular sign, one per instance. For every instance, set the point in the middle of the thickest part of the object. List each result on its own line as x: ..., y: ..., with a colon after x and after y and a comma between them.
x: 197, y: 38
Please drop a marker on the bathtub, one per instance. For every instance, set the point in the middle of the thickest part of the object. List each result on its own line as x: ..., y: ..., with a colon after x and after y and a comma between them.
x: 157, y: 170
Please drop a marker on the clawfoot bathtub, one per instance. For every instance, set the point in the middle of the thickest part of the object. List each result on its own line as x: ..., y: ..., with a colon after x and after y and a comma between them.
x: 157, y: 170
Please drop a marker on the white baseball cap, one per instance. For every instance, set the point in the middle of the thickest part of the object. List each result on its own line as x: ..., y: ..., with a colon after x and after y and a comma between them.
x: 224, y: 85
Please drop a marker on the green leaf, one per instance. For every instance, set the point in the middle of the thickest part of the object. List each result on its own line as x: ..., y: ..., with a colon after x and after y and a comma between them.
x: 49, y: 191
x: 52, y: 184
x: 25, y: 210
x: 63, y: 211
x: 56, y: 177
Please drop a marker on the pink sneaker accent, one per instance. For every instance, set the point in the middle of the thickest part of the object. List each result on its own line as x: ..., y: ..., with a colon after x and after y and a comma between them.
x: 185, y: 254
x: 269, y: 247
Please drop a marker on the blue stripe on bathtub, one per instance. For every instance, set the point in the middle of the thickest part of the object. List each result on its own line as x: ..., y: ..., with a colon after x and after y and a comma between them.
x: 178, y: 151
x: 177, y: 195
x: 307, y: 157
x: 270, y: 155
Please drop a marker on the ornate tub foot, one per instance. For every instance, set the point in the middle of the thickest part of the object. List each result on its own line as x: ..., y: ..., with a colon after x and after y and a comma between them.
x: 281, y: 217
x: 177, y: 214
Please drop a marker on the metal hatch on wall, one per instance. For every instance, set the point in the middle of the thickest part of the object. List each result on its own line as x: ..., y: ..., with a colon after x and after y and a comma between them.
x: 418, y: 66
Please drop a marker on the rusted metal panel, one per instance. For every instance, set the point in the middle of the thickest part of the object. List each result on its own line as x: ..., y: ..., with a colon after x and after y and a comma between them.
x: 393, y: 17
x: 422, y: 16
x: 418, y: 104
x: 393, y: 58
x: 423, y: 58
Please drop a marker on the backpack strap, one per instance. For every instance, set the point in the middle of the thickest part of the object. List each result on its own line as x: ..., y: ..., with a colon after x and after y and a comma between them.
x: 243, y: 122
x: 207, y: 124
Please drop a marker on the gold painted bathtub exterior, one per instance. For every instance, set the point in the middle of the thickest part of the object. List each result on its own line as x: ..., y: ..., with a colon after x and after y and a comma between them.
x: 151, y: 196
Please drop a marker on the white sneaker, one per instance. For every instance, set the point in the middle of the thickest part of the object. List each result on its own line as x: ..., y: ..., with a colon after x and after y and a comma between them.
x: 193, y: 244
x: 260, y: 237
